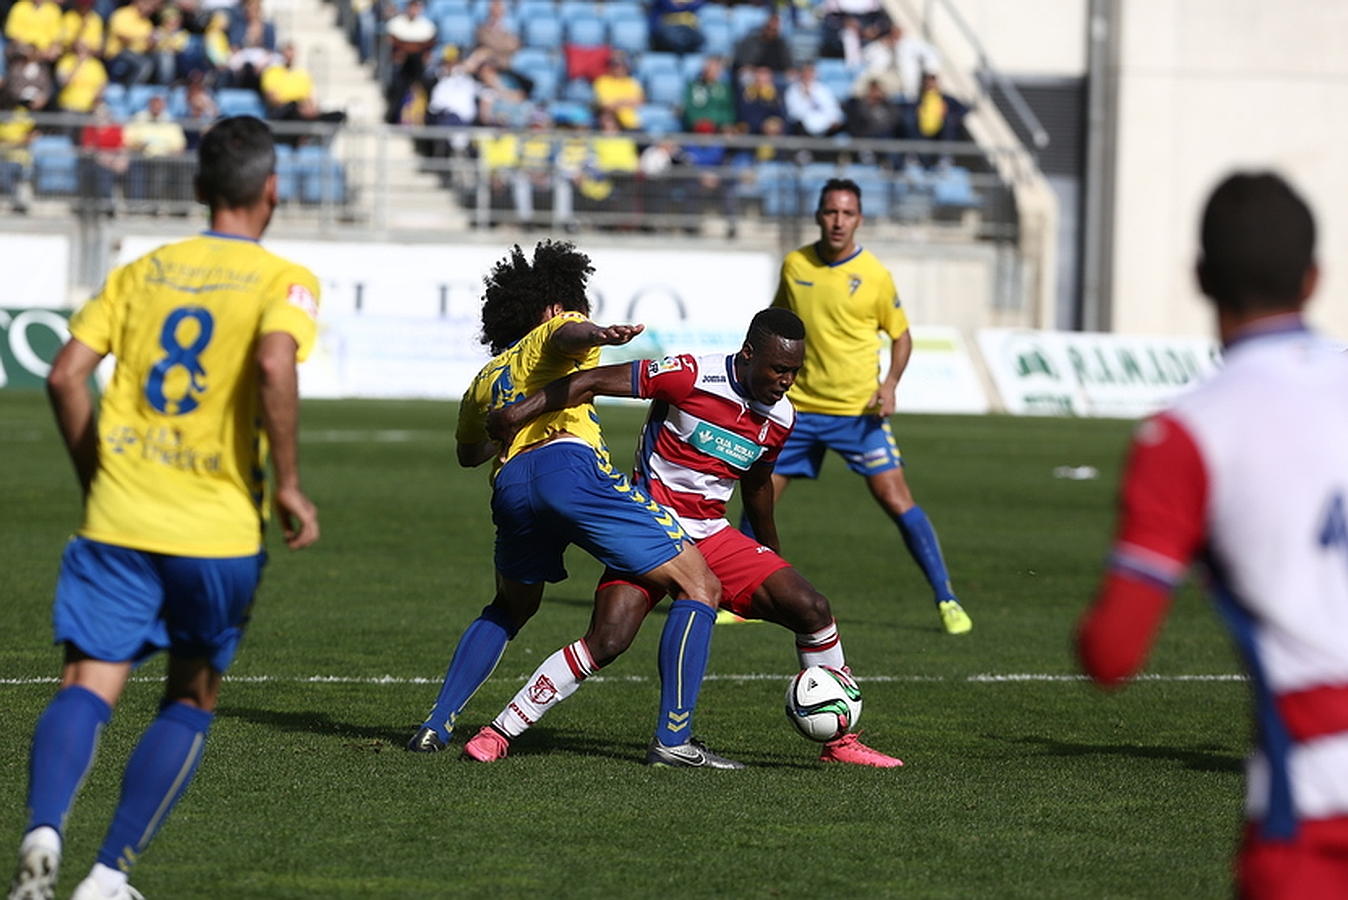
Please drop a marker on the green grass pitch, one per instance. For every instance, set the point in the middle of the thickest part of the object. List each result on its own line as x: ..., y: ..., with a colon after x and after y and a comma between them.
x: 1033, y: 787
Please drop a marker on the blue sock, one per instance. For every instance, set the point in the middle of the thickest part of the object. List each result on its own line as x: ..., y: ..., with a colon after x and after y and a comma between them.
x: 921, y: 540
x: 475, y: 657
x: 159, y: 770
x: 63, y: 748
x: 684, y: 646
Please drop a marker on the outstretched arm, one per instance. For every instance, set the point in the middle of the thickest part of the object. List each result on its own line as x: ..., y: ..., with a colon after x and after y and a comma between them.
x: 899, y: 353
x: 757, y: 494
x: 73, y: 404
x: 573, y: 390
x: 575, y: 339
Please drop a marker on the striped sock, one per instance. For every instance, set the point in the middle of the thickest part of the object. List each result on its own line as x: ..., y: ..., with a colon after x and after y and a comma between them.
x: 63, y: 749
x: 159, y: 770
x: 684, y: 646
x: 553, y: 681
x: 821, y: 648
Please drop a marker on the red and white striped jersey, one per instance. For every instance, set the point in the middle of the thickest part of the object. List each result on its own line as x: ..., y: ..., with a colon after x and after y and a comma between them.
x: 702, y: 434
x: 1250, y: 472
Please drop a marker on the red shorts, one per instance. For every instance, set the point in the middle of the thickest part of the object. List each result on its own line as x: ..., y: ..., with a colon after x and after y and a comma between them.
x: 739, y: 561
x: 1312, y: 867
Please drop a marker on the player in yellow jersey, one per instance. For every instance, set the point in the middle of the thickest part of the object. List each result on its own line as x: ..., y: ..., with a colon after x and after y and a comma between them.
x: 553, y: 486
x: 846, y: 299
x: 207, y: 333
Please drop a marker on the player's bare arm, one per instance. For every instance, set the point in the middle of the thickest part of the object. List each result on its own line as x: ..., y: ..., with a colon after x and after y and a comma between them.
x: 575, y: 339
x: 758, y: 496
x: 886, y: 395
x: 73, y: 404
x: 573, y: 390
x: 278, y: 385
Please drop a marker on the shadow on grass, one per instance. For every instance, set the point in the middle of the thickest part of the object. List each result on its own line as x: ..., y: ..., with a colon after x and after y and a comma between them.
x: 540, y: 741
x: 1207, y: 758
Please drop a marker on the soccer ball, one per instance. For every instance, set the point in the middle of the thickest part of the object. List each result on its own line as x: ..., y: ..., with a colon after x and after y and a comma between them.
x: 823, y: 703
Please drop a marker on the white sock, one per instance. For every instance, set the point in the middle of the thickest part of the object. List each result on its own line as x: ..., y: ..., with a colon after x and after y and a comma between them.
x: 109, y: 880
x: 822, y: 648
x: 552, y: 682
x: 42, y: 836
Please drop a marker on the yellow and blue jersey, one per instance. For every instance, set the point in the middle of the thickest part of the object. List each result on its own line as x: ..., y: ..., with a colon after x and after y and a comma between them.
x: 181, y: 461
x: 525, y: 368
x: 845, y: 306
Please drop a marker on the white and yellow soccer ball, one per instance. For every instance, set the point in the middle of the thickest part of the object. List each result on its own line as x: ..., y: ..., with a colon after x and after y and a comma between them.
x: 823, y: 703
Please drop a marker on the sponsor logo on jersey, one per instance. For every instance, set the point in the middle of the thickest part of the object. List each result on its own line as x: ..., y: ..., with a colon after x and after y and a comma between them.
x: 853, y: 282
x: 661, y: 366
x: 714, y: 379
x: 726, y: 446
x: 298, y: 295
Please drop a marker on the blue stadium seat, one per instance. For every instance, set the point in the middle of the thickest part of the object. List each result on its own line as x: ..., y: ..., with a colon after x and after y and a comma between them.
x: 322, y: 179
x: 437, y: 8
x: 287, y: 173
x: 544, y: 74
x: 532, y: 58
x: 875, y: 193
x: 744, y: 19
x: 456, y: 28
x: 713, y: 13
x: 952, y: 187
x: 571, y: 112
x: 239, y: 102
x: 542, y: 31
x: 664, y: 87
x: 579, y: 90
x: 717, y: 38
x: 650, y: 63
x: 177, y: 102
x: 534, y: 9
x: 615, y: 11
x: 630, y: 35
x: 138, y: 96
x: 587, y: 31
x: 827, y: 68
x: 691, y: 65
x: 55, y: 165
x: 839, y: 84
x: 776, y: 187
x: 813, y: 177
x: 659, y: 119
x: 575, y: 9
x: 114, y: 95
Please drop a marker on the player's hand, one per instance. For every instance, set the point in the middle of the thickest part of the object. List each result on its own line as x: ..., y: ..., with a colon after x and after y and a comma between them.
x: 617, y: 335
x: 884, y: 401
x: 298, y: 517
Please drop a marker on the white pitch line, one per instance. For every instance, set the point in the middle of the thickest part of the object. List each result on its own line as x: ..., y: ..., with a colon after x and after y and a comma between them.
x: 986, y: 678
x: 373, y: 436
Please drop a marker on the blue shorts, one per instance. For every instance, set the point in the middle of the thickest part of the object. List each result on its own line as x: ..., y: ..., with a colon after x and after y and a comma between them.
x: 124, y: 605
x: 560, y: 494
x: 864, y: 441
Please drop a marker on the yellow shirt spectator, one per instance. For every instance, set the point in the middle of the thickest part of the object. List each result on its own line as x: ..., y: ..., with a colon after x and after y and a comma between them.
x: 155, y: 136
x: 15, y: 133
x: 282, y: 85
x: 36, y: 24
x: 500, y: 152
x: 622, y: 94
x: 82, y: 78
x: 128, y: 29
x: 84, y: 28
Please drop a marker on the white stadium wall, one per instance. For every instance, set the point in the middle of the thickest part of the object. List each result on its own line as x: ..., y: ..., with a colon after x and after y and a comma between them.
x: 1205, y: 87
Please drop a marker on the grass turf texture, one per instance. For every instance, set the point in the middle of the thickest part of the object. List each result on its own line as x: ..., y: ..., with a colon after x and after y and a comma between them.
x: 1011, y: 788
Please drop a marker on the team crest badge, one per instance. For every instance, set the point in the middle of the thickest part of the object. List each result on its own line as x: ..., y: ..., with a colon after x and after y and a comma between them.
x: 853, y: 283
x: 542, y: 691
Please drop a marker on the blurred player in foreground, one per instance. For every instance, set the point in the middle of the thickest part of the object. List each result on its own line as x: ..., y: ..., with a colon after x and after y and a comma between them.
x: 553, y: 485
x: 846, y: 298
x: 715, y: 420
x: 1250, y: 472
x: 207, y: 333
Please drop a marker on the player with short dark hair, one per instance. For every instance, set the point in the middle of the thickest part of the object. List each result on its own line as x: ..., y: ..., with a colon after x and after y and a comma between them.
x: 846, y: 298
x: 714, y: 421
x: 553, y: 485
x: 1247, y: 472
x: 207, y: 333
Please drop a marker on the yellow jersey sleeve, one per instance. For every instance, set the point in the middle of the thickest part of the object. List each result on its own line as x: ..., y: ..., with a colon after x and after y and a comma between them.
x: 889, y: 312
x: 95, y: 324
x: 292, y: 307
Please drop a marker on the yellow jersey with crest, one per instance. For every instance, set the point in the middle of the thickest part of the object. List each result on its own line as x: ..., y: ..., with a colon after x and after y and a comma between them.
x: 845, y: 306
x: 182, y: 454
x: 524, y: 368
